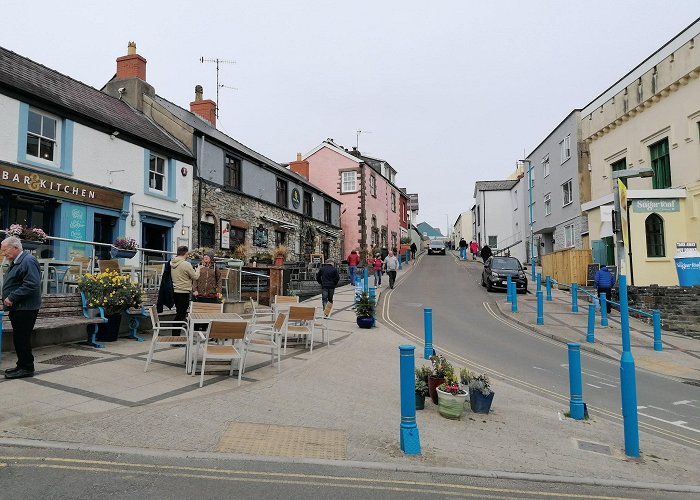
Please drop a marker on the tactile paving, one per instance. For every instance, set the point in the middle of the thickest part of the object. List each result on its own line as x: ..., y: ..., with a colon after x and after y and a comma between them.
x: 69, y: 360
x: 283, y: 441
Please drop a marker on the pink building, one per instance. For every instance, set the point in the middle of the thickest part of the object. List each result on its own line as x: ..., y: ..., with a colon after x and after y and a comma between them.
x: 371, y: 212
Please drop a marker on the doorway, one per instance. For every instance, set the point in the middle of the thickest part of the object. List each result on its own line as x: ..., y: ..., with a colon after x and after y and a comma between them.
x: 155, y: 237
x: 103, y: 228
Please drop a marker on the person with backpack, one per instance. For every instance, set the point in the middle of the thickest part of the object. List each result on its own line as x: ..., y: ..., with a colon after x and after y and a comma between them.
x: 604, y: 280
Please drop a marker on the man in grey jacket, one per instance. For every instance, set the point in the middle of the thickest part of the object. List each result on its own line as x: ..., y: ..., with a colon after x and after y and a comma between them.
x: 21, y: 295
x: 391, y: 265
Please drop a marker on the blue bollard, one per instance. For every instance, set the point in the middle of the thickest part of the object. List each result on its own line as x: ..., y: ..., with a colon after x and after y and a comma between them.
x: 513, y: 299
x: 549, y: 289
x: 407, y: 254
x: 590, y: 335
x: 574, y: 298
x: 628, y: 382
x: 509, y: 288
x: 373, y: 295
x: 656, y: 317
x: 603, y: 310
x: 576, y: 404
x: 540, y: 309
x: 399, y: 256
x: 427, y: 332
x: 539, y: 281
x: 366, y: 285
x: 409, y: 438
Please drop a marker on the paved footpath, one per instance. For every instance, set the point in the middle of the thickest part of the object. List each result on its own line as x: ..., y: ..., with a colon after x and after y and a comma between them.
x: 338, y: 405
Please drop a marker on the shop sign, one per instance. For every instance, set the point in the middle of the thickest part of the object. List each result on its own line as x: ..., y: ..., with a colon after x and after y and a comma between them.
x: 656, y: 205
x: 58, y: 187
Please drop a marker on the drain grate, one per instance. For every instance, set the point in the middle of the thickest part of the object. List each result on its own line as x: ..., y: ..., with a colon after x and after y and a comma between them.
x: 594, y: 447
x: 69, y: 360
x: 283, y: 441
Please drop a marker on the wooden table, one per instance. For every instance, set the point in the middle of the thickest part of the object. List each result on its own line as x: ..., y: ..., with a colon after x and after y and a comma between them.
x: 203, y: 319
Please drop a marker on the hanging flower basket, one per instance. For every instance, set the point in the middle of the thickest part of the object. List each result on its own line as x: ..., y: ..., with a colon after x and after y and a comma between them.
x: 123, y: 248
x: 31, y: 245
x: 119, y: 253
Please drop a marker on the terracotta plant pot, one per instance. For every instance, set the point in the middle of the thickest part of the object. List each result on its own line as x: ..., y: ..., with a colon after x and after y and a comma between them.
x: 433, y: 383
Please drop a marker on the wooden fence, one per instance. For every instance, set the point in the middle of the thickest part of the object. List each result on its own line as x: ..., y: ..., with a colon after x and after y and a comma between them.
x: 567, y: 266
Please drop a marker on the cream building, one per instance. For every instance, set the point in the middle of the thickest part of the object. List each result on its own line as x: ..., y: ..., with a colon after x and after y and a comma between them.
x: 649, y: 118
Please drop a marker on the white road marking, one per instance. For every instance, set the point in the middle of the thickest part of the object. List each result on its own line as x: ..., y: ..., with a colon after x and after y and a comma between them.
x: 609, y: 385
x: 413, y: 304
x: 538, y: 368
x: 595, y: 386
x: 678, y: 423
x: 639, y: 407
x: 685, y: 402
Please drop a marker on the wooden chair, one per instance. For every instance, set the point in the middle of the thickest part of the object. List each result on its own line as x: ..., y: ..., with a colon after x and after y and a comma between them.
x: 109, y: 265
x: 160, y: 337
x: 206, y: 307
x: 282, y: 302
x: 224, y: 274
x: 269, y: 337
x: 223, y: 332
x: 300, y: 322
x: 321, y: 322
x: 84, y: 261
x: 259, y: 311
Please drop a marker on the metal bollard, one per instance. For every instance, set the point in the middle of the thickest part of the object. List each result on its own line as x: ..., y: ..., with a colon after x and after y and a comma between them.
x: 603, y: 310
x: 539, y: 281
x: 407, y: 254
x: 549, y: 289
x: 574, y: 298
x: 399, y: 259
x: 590, y: 335
x: 509, y: 285
x: 576, y: 404
x: 513, y: 299
x: 427, y: 332
x: 409, y: 438
x: 540, y: 309
x: 366, y: 285
x: 656, y: 317
x: 373, y: 295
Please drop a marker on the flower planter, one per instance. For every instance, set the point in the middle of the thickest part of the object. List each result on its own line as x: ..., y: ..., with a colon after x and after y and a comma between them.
x: 279, y: 261
x: 478, y: 402
x: 120, y: 253
x: 31, y: 245
x: 420, y: 402
x: 433, y: 383
x: 365, y: 321
x: 109, y: 331
x: 451, y: 405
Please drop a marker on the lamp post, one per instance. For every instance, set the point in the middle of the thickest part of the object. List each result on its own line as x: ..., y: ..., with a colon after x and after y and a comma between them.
x: 628, y: 384
x: 532, y: 237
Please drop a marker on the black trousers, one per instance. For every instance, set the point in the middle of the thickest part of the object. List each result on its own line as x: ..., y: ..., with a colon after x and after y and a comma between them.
x: 608, y: 297
x: 182, y: 304
x: 22, y: 328
x: 327, y: 295
x: 392, y: 277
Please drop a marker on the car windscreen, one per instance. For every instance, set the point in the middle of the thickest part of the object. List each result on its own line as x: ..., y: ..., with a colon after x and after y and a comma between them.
x: 505, y: 263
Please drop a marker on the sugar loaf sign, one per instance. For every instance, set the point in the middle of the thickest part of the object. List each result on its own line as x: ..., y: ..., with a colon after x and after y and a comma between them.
x: 656, y: 205
x: 58, y: 187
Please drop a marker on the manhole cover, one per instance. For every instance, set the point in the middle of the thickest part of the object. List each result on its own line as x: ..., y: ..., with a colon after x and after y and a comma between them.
x: 68, y: 360
x: 283, y: 441
x: 594, y: 447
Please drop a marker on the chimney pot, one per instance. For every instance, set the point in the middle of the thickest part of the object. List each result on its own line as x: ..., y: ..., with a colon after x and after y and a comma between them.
x: 204, y: 108
x: 298, y: 156
x: 131, y: 65
x: 198, y: 93
x: 131, y: 48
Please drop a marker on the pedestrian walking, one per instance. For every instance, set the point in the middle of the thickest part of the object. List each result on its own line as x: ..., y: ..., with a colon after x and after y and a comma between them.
x: 207, y: 288
x: 414, y: 249
x: 463, y: 249
x: 328, y: 277
x: 353, y: 262
x: 604, y: 280
x: 21, y: 296
x: 474, y: 247
x: 183, y: 276
x: 486, y: 253
x: 391, y: 265
x: 377, y: 268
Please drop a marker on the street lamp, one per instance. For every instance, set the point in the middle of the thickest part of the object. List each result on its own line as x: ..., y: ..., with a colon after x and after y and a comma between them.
x: 628, y: 384
x: 532, y: 237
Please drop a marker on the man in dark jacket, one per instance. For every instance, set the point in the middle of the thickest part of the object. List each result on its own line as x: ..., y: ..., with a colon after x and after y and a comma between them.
x: 463, y: 249
x: 486, y: 253
x: 414, y: 249
x: 328, y: 278
x: 21, y: 295
x: 604, y: 281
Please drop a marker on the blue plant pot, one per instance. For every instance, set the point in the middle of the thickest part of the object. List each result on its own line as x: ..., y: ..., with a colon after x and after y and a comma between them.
x: 365, y: 322
x: 480, y: 403
x: 31, y: 245
x: 118, y: 253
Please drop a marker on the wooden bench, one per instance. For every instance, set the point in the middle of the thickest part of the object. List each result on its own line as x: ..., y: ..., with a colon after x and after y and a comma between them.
x: 64, y: 310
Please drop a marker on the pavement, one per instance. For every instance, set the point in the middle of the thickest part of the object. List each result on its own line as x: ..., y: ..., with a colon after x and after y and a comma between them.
x: 339, y: 405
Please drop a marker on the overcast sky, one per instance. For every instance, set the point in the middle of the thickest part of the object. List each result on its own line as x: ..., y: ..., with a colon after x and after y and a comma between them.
x: 448, y: 92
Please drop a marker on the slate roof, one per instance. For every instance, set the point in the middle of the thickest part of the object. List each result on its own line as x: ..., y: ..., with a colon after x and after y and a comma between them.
x: 38, y: 84
x: 494, y: 186
x: 198, y: 123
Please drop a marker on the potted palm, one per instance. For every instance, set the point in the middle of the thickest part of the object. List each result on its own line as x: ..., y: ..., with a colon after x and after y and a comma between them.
x: 364, y: 309
x: 280, y: 253
x: 32, y: 237
x: 480, y: 394
x: 113, y: 292
x: 442, y: 370
x: 422, y: 374
x: 123, y: 248
x: 451, y: 399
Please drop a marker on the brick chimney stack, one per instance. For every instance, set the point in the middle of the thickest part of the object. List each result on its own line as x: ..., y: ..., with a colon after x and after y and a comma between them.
x: 205, y: 108
x: 300, y: 167
x: 131, y: 65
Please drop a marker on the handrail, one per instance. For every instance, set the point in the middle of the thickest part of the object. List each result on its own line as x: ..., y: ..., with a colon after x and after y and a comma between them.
x: 638, y: 311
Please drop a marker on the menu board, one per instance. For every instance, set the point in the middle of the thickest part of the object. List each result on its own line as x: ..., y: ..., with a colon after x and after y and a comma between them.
x: 590, y: 273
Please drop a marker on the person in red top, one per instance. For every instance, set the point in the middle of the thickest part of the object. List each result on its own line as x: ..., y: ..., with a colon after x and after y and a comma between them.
x: 474, y: 249
x: 377, y: 267
x: 353, y: 262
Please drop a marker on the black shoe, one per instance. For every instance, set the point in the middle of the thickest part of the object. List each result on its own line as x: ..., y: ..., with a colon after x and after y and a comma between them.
x: 12, y: 370
x: 20, y: 373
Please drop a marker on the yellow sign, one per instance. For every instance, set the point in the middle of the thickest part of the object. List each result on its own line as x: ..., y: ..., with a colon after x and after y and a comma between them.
x: 622, y: 190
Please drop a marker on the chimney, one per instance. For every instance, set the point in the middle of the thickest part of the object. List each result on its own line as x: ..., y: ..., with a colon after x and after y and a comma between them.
x: 131, y: 65
x: 205, y: 108
x: 300, y: 167
x: 355, y: 152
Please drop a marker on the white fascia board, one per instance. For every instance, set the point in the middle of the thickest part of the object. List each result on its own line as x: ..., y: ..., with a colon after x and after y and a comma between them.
x: 335, y: 150
x: 590, y: 205
x: 656, y: 193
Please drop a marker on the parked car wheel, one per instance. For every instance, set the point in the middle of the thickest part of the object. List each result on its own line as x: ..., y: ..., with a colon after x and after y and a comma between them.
x: 489, y: 286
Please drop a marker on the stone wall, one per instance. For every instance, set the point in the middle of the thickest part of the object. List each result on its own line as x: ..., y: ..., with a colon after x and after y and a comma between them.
x: 680, y: 307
